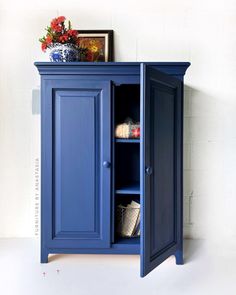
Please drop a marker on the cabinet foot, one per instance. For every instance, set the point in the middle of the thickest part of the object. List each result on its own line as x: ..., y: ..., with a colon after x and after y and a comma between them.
x: 179, y: 257
x: 44, y: 256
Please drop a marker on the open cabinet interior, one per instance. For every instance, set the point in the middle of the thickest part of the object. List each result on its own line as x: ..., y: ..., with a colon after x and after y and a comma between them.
x: 126, y: 155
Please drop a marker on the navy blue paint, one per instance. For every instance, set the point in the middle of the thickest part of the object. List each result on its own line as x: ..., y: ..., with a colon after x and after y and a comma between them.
x: 110, y: 68
x: 76, y: 187
x: 113, y: 203
x: 68, y: 91
x: 122, y: 248
x: 161, y: 131
x: 124, y: 140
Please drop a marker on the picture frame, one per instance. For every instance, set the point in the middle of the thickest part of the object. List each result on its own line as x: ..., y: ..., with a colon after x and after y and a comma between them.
x: 99, y: 44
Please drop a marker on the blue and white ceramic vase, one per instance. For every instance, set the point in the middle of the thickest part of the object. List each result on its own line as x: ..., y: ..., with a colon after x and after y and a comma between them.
x: 63, y: 52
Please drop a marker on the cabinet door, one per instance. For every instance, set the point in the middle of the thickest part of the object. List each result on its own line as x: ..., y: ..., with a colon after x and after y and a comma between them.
x: 75, y: 181
x: 161, y: 167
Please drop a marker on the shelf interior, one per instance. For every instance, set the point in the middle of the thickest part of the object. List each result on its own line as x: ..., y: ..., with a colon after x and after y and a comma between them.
x: 126, y: 169
x: 127, y: 102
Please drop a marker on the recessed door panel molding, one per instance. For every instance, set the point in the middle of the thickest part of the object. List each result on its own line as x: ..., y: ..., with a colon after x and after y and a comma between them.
x: 76, y: 164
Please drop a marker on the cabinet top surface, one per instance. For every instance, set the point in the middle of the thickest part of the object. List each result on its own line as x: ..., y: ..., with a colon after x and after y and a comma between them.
x: 108, y: 68
x: 135, y: 63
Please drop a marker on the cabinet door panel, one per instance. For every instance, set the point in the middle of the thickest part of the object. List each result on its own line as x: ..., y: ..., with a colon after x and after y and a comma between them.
x: 79, y: 204
x: 161, y: 169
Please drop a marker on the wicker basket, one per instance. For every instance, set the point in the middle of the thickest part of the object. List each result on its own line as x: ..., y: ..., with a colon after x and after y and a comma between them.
x: 127, y: 221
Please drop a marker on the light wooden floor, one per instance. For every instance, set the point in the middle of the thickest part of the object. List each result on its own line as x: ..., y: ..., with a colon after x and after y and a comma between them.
x: 210, y: 269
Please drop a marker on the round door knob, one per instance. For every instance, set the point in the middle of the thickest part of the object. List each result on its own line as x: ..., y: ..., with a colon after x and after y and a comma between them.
x: 106, y: 164
x: 148, y: 170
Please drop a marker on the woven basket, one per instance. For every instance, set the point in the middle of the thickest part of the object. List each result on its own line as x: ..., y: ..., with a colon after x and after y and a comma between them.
x: 127, y: 221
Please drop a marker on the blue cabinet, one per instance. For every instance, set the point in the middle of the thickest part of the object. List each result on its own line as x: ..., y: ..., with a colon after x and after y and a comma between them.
x: 87, y: 172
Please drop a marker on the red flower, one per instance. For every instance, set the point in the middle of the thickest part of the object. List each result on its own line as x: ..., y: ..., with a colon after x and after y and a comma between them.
x: 72, y: 33
x: 57, y: 28
x: 63, y: 38
x: 44, y: 46
x: 61, y: 19
x: 48, y: 40
x: 136, y: 132
x: 54, y: 22
x: 57, y: 21
x: 56, y: 25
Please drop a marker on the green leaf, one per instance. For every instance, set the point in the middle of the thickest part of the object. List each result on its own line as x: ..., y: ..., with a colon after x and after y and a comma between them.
x: 42, y: 39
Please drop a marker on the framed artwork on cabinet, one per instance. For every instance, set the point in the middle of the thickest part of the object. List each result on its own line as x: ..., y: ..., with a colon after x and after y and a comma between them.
x: 99, y: 44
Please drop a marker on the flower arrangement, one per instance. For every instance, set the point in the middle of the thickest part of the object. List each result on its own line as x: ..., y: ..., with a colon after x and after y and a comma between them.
x: 59, y: 34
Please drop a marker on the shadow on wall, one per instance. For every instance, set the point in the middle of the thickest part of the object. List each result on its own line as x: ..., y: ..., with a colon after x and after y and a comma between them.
x: 203, y: 133
x: 192, y: 250
x: 36, y: 101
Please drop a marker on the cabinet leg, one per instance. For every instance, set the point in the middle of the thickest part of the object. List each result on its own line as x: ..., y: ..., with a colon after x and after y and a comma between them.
x: 179, y: 257
x: 44, y: 256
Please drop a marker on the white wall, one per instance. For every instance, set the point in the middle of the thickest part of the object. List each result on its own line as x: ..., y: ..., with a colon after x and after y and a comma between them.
x: 200, y: 31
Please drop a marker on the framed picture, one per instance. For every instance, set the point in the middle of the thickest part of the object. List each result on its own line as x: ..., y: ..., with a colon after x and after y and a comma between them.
x: 99, y: 44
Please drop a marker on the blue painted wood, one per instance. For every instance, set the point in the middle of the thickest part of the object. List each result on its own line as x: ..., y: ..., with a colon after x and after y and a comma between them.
x: 113, y: 202
x: 118, y: 248
x: 46, y: 171
x: 128, y: 241
x: 124, y: 69
x: 179, y: 257
x: 161, y: 143
x: 116, y: 79
x: 66, y: 90
x: 128, y: 140
x: 44, y: 254
x: 76, y: 133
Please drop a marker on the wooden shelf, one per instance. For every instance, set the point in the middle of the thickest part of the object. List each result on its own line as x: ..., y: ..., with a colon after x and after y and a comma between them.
x: 129, y: 189
x: 128, y: 241
x: 128, y: 140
